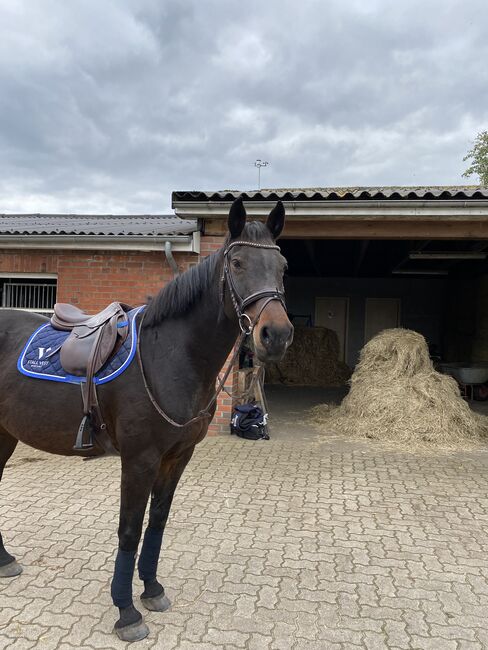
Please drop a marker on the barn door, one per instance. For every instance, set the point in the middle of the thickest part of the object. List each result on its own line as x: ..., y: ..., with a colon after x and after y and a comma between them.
x: 332, y: 313
x: 381, y: 314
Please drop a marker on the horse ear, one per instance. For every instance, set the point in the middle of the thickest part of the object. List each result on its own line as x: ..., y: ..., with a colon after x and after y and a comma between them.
x: 276, y: 220
x: 237, y: 218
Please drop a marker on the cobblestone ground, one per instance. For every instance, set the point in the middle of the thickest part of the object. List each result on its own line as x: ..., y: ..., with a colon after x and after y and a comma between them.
x: 310, y: 544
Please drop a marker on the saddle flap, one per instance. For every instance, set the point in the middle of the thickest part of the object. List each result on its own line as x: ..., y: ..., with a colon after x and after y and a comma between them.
x: 75, y: 353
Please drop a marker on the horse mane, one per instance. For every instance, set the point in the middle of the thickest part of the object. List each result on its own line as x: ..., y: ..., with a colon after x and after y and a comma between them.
x: 179, y: 295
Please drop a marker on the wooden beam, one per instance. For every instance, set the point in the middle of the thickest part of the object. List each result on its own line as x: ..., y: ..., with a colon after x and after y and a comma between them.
x: 373, y: 229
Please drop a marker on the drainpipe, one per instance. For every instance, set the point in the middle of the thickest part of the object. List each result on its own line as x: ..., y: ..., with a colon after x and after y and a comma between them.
x: 171, y: 260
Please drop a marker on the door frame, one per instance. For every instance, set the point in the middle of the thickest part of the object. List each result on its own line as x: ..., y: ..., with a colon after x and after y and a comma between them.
x: 346, y: 329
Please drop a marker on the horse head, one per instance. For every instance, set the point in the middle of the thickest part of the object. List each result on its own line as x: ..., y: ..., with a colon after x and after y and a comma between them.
x: 253, y: 275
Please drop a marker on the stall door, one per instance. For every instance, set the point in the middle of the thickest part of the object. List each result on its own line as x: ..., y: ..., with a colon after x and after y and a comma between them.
x: 381, y: 314
x: 332, y: 313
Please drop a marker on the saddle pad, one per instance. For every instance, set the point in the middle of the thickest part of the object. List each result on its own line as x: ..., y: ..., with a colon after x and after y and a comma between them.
x: 38, y: 361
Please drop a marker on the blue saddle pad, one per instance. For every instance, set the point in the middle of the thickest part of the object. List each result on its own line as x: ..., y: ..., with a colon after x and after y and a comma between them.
x: 38, y: 361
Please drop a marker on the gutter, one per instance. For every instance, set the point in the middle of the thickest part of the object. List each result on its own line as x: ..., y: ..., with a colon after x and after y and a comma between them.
x: 369, y: 210
x: 179, y: 243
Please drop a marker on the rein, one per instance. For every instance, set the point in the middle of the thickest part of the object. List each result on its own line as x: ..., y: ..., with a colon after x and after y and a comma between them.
x: 246, y: 325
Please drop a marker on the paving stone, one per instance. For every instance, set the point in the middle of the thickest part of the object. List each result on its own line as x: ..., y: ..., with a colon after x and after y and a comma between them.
x: 345, y: 545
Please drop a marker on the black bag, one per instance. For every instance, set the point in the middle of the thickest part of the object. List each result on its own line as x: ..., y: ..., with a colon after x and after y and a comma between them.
x: 249, y: 421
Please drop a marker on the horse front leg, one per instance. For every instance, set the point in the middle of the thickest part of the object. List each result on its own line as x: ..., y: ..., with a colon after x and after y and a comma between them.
x: 138, y: 476
x: 170, y: 471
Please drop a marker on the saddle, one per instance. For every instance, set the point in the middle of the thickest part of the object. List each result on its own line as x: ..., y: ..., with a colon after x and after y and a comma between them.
x: 92, y: 341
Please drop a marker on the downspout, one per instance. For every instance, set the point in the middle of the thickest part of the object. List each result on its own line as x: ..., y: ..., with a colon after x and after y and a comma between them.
x: 170, y: 257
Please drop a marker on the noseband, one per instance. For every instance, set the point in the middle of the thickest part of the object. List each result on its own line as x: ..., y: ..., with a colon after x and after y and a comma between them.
x: 246, y: 325
x: 241, y: 304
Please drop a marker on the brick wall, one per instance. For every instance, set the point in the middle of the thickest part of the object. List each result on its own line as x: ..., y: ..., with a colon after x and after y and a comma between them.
x: 92, y: 279
x: 21, y: 261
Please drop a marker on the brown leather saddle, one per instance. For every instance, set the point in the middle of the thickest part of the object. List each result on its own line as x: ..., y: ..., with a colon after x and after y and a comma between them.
x: 92, y: 341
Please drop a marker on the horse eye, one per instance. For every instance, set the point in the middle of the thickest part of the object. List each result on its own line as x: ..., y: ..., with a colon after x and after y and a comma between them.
x: 236, y: 264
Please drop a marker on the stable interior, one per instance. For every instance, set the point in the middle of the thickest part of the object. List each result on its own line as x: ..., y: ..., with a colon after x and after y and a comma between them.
x: 360, y: 287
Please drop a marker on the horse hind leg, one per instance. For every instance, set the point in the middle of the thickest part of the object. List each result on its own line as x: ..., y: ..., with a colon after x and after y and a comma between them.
x: 9, y: 567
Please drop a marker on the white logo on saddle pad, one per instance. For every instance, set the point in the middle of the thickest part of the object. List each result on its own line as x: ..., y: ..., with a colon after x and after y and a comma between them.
x: 43, y: 351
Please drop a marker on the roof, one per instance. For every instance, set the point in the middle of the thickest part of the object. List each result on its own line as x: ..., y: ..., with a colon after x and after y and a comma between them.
x: 146, y: 225
x: 431, y: 192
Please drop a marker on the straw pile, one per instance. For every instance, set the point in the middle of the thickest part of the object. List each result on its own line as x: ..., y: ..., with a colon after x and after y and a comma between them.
x: 312, y: 360
x: 396, y: 395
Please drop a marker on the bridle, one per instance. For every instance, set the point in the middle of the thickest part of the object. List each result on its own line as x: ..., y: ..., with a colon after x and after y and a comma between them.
x: 240, y: 304
x: 246, y: 325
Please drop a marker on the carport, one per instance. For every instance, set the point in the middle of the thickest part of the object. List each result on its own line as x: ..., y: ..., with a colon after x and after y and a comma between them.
x: 365, y: 259
x: 359, y: 287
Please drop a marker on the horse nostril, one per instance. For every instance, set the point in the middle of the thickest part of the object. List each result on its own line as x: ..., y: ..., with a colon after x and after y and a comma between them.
x: 289, y: 340
x: 265, y: 336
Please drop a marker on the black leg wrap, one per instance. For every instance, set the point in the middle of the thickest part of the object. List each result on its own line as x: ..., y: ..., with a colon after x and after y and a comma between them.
x: 153, y: 597
x: 148, y: 559
x: 121, y: 588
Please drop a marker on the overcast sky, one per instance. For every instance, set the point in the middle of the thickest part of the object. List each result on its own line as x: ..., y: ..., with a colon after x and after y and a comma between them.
x: 109, y: 106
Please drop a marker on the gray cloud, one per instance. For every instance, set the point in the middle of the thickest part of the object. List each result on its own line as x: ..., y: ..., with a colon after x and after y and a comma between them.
x: 110, y: 106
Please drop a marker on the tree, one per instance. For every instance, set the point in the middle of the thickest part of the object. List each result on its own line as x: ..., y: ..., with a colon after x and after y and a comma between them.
x: 479, y: 158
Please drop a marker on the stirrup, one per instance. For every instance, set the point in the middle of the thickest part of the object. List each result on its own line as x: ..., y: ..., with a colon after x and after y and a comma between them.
x: 80, y: 445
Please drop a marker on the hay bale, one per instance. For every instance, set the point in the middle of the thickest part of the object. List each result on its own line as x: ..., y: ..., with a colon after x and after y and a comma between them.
x: 312, y: 360
x: 396, y: 395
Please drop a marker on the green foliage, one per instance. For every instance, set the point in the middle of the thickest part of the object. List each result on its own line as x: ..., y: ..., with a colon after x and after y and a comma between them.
x: 479, y: 158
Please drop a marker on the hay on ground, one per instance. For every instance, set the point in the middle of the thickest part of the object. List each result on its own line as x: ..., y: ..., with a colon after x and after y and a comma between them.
x: 397, y: 395
x: 311, y: 360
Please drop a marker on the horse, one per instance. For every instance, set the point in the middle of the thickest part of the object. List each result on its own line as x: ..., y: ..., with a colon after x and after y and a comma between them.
x: 159, y: 408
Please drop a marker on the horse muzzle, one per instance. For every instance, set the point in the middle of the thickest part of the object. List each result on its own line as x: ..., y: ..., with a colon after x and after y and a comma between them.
x: 272, y: 339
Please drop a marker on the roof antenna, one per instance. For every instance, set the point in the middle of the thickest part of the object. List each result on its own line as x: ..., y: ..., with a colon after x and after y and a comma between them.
x: 260, y: 163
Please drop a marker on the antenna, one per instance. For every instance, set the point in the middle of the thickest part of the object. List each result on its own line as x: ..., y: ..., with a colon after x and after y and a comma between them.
x: 260, y: 163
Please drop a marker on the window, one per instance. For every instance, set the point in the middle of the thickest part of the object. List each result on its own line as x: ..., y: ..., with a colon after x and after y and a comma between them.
x: 31, y: 292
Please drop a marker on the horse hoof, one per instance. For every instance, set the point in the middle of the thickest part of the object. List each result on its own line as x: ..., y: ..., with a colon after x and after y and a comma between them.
x: 10, y: 570
x: 133, y: 632
x: 157, y: 604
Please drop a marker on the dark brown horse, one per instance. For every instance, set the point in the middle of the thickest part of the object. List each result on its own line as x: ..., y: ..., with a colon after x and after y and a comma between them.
x: 187, y: 333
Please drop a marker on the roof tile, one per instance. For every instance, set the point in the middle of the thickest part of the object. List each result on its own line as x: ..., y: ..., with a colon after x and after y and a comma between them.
x: 150, y: 225
x: 431, y: 192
